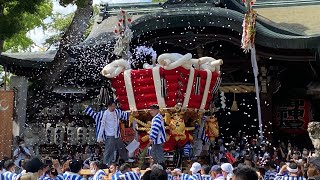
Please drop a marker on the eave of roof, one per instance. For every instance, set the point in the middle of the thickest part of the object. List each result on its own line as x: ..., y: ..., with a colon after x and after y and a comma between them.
x: 28, y: 60
x: 149, y: 17
x: 301, y: 19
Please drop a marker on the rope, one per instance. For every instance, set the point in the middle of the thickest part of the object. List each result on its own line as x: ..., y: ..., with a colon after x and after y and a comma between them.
x: 237, y: 89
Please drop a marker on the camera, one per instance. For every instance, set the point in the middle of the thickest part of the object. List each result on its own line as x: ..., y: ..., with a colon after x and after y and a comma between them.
x: 21, y: 149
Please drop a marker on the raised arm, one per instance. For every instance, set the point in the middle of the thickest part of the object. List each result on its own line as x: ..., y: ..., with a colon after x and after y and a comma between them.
x: 90, y: 112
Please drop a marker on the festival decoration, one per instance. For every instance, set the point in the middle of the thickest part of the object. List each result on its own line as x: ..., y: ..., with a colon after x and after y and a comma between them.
x: 247, y: 43
x: 143, y: 55
x: 178, y: 135
x: 293, y: 116
x: 211, y: 128
x: 314, y: 134
x: 177, y: 128
x: 42, y: 133
x: 223, y: 100
x: 31, y: 136
x: 123, y: 34
x: 181, y: 91
x: 49, y: 134
x: 234, y: 106
x: 91, y: 135
x: 59, y: 134
x: 81, y: 135
x: 143, y: 87
x: 71, y: 134
x: 249, y: 26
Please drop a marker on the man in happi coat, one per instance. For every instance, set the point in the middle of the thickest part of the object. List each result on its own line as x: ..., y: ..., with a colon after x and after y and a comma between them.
x: 157, y: 135
x: 108, y: 130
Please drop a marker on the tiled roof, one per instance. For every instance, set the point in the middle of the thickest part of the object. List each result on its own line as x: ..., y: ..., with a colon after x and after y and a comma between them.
x: 301, y: 19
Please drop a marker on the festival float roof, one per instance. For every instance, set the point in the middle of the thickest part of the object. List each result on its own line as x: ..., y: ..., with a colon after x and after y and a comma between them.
x: 154, y: 23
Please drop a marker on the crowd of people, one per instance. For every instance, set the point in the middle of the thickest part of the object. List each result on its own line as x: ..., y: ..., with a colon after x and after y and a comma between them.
x: 238, y: 160
x: 257, y: 162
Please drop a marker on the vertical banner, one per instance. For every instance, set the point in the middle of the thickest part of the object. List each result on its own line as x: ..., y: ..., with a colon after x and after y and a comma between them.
x: 293, y: 116
x: 6, y: 118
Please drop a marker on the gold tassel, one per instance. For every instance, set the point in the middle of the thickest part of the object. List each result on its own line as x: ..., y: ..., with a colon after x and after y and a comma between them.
x: 234, y: 106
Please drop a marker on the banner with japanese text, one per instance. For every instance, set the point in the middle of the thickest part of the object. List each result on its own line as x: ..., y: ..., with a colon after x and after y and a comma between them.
x: 6, y: 118
x: 293, y: 116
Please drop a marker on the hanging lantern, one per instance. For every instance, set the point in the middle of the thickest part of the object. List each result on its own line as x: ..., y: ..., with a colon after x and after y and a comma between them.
x: 104, y: 96
x: 49, y: 138
x: 234, y: 106
x: 81, y: 135
x: 42, y: 133
x: 91, y: 136
x: 59, y: 134
x: 71, y: 135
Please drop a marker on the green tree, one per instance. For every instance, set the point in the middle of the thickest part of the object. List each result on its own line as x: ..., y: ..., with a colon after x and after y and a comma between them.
x: 17, y: 17
x: 60, y: 24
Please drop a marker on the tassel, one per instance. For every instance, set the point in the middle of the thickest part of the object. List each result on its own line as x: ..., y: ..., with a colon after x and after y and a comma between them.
x: 197, y: 86
x: 163, y: 87
x: 234, y: 106
x: 103, y: 97
x: 179, y: 93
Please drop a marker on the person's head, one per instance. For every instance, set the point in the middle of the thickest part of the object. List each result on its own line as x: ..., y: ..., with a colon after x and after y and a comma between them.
x: 216, y: 149
x: 21, y: 163
x: 146, y: 175
x: 125, y: 168
x: 156, y: 166
x: 292, y: 168
x: 112, y: 105
x: 248, y: 161
x: 21, y: 143
x: 35, y: 165
x: 87, y: 150
x: 314, y: 167
x: 53, y: 173
x: 244, y: 173
x: 305, y: 152
x: 154, y: 109
x: 205, y: 169
x: 94, y: 167
x: 113, y: 168
x: 215, y: 171
x: 159, y: 174
x: 75, y: 165
x: 195, y: 168
x: 227, y: 170
x: 272, y: 165
x: 97, y: 150
x: 9, y: 166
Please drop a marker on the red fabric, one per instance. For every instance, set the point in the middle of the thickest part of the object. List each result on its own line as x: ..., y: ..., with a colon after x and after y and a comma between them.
x: 144, y: 91
x: 229, y: 157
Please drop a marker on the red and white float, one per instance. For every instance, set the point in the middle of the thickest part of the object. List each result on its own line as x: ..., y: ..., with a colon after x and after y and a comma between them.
x: 176, y: 80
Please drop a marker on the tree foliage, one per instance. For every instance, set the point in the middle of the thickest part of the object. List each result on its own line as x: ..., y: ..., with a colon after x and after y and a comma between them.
x: 60, y: 24
x: 17, y: 17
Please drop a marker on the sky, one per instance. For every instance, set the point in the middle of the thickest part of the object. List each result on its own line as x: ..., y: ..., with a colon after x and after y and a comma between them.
x: 38, y: 35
